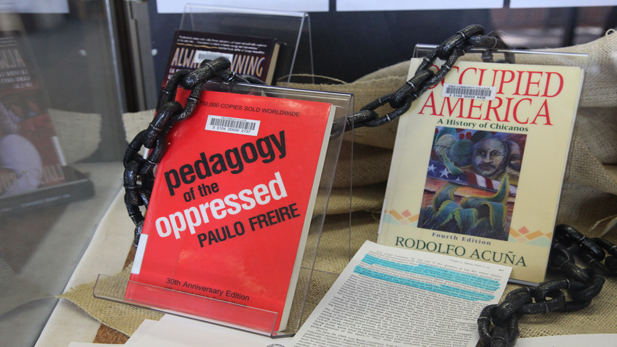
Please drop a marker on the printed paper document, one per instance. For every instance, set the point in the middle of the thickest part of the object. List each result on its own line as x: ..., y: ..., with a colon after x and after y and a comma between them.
x: 391, y: 297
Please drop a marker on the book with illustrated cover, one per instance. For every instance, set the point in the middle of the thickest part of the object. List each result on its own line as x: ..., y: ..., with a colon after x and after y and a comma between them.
x: 232, y: 203
x: 478, y: 165
x: 32, y: 168
x: 249, y: 55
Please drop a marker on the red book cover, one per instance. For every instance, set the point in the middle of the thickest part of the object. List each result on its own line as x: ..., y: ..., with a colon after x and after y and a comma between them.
x: 231, y: 206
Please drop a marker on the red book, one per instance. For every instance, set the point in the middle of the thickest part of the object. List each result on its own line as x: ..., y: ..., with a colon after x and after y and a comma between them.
x: 231, y: 207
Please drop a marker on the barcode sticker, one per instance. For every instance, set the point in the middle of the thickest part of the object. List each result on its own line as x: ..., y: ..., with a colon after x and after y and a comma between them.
x: 203, y: 55
x: 468, y: 92
x: 233, y: 125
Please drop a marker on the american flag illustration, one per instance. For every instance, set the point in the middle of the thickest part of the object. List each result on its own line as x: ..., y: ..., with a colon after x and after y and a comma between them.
x: 437, y: 169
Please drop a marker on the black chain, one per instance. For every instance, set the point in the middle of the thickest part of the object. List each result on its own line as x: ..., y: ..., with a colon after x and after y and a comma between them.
x: 138, y: 173
x: 581, y: 285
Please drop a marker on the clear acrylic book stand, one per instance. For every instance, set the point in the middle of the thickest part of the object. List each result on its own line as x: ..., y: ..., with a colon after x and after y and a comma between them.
x: 219, y: 312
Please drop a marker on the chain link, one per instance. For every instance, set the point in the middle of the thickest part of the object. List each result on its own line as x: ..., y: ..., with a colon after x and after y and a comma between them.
x: 424, y: 78
x: 498, y: 324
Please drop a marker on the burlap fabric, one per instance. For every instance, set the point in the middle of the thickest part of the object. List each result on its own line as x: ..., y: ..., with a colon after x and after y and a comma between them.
x: 79, y: 133
x: 589, y: 193
x: 124, y: 318
x: 594, y: 146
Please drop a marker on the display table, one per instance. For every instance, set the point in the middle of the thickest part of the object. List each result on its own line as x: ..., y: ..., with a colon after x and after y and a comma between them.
x: 111, y: 243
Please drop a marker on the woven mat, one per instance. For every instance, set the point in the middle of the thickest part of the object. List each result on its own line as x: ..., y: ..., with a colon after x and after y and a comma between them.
x: 124, y: 318
x: 79, y: 133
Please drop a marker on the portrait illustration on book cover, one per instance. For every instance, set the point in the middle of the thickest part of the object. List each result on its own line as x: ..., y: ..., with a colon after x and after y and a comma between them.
x: 471, y: 182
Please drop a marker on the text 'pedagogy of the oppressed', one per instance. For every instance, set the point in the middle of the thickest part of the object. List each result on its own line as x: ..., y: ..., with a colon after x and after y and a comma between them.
x: 268, y: 149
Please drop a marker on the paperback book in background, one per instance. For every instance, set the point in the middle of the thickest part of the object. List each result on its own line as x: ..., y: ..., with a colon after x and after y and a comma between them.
x: 478, y: 165
x: 232, y: 205
x: 32, y: 169
x: 249, y: 55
